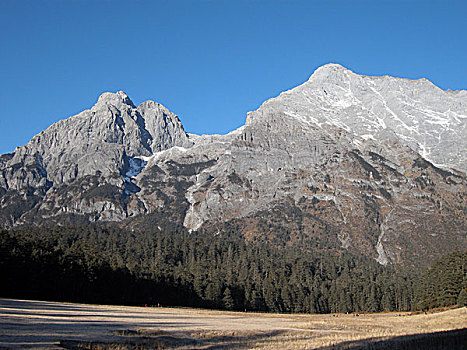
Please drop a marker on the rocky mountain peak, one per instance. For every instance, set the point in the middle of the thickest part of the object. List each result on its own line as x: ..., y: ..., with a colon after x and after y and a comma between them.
x: 420, y: 114
x: 329, y: 71
x: 165, y: 127
x: 101, y: 140
x: 115, y: 98
x: 340, y: 161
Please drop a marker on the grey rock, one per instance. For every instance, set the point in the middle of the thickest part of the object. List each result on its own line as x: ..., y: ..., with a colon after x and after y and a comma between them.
x: 429, y: 120
x: 101, y: 138
x: 343, y: 158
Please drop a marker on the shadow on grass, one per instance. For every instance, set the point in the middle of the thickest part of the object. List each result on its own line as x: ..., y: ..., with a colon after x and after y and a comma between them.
x: 452, y: 340
x: 172, y: 340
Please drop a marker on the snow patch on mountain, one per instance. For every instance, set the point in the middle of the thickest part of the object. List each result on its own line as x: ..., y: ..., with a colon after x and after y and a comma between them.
x: 135, y: 166
x: 429, y: 120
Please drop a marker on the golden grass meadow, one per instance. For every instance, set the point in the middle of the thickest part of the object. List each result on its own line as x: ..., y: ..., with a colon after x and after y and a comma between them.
x: 50, y: 325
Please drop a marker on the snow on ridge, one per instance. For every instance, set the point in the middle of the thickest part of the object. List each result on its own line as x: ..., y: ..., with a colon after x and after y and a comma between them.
x: 136, y: 165
x: 417, y: 112
x: 367, y: 136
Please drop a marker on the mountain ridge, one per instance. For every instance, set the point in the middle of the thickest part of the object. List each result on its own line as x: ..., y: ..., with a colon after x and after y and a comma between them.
x: 342, y: 161
x: 409, y: 116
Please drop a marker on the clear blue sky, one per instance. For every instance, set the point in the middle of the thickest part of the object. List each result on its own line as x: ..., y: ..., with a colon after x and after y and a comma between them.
x: 209, y: 61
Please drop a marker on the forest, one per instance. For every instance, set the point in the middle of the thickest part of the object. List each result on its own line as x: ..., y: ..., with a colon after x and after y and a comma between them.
x: 108, y: 265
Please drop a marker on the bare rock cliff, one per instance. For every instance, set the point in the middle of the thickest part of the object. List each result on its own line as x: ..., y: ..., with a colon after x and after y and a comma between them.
x: 375, y: 165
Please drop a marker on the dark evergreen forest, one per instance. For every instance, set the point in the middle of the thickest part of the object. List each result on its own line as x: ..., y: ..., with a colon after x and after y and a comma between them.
x: 108, y: 265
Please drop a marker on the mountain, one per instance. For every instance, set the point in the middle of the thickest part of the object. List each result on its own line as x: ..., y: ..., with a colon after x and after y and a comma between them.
x: 374, y: 165
x: 432, y: 122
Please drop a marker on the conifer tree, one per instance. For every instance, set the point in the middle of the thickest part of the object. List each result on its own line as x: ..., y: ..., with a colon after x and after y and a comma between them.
x: 228, y: 300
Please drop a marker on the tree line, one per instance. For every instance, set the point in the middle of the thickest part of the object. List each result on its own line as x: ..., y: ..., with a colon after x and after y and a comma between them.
x: 95, y: 264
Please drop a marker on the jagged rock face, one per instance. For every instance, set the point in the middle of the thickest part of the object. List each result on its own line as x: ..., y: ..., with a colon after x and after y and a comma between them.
x: 373, y: 198
x: 429, y: 120
x: 100, y: 142
x: 97, y: 139
x: 341, y: 162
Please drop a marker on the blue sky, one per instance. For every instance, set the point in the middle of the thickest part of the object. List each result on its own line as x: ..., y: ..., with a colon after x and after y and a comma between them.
x: 209, y: 61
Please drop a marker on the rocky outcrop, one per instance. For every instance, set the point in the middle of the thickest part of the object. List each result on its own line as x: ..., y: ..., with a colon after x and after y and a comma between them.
x: 341, y: 162
x: 429, y: 120
x: 101, y: 142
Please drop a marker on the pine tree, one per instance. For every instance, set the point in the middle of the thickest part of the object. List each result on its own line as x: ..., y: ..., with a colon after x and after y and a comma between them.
x: 462, y: 299
x: 228, y: 300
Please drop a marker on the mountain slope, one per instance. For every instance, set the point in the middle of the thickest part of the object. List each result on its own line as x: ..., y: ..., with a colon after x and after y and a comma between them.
x: 94, y: 148
x: 341, y: 162
x: 429, y: 120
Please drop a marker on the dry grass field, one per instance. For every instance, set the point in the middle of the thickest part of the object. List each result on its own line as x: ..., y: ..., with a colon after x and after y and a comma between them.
x: 49, y: 325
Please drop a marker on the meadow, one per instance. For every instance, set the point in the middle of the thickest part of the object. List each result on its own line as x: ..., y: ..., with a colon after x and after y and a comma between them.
x: 50, y: 325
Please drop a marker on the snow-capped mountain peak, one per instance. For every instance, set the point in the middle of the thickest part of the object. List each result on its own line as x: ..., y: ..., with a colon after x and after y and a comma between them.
x: 422, y: 115
x: 327, y: 164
